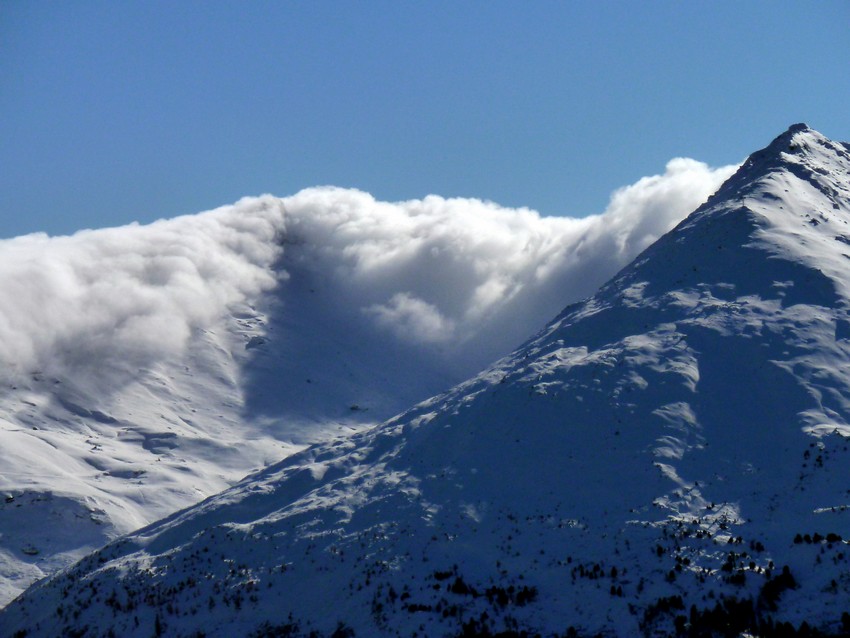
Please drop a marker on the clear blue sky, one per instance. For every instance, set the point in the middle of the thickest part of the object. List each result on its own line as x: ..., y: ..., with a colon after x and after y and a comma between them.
x: 119, y: 111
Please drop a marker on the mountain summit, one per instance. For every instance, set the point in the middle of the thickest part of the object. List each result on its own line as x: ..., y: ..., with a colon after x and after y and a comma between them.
x: 667, y: 457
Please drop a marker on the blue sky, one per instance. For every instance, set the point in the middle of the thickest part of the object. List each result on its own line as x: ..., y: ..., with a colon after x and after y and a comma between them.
x: 118, y: 111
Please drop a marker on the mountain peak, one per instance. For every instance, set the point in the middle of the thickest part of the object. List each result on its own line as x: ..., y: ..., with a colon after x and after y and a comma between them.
x: 797, y: 136
x: 790, y: 140
x: 800, y: 151
x: 783, y: 140
x: 799, y: 126
x: 800, y: 142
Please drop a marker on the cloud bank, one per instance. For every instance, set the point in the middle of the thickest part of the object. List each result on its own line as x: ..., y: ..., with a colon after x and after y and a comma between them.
x: 107, y: 302
x: 463, y: 277
x: 472, y: 277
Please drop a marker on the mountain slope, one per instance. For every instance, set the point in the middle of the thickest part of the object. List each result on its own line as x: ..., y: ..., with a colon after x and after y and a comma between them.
x: 144, y: 368
x: 670, y: 454
x: 104, y: 432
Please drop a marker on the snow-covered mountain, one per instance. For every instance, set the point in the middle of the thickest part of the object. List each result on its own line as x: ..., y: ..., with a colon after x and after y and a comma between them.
x: 145, y: 368
x: 671, y: 455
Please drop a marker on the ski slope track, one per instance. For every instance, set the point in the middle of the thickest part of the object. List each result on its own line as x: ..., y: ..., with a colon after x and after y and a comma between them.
x: 669, y: 457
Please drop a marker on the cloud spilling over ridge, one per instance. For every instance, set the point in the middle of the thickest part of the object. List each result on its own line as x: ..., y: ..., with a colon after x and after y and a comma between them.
x: 471, y: 276
x: 467, y: 277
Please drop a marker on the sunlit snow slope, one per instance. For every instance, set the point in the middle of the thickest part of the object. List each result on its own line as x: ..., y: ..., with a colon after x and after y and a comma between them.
x: 671, y: 455
x: 145, y: 368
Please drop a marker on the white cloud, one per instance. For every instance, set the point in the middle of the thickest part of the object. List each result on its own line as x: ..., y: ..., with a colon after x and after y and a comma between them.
x: 471, y: 275
x: 105, y: 303
x: 412, y: 319
x: 466, y: 275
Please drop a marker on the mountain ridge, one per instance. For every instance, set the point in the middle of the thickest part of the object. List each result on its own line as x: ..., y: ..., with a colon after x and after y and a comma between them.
x: 664, y: 458
x: 146, y: 367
